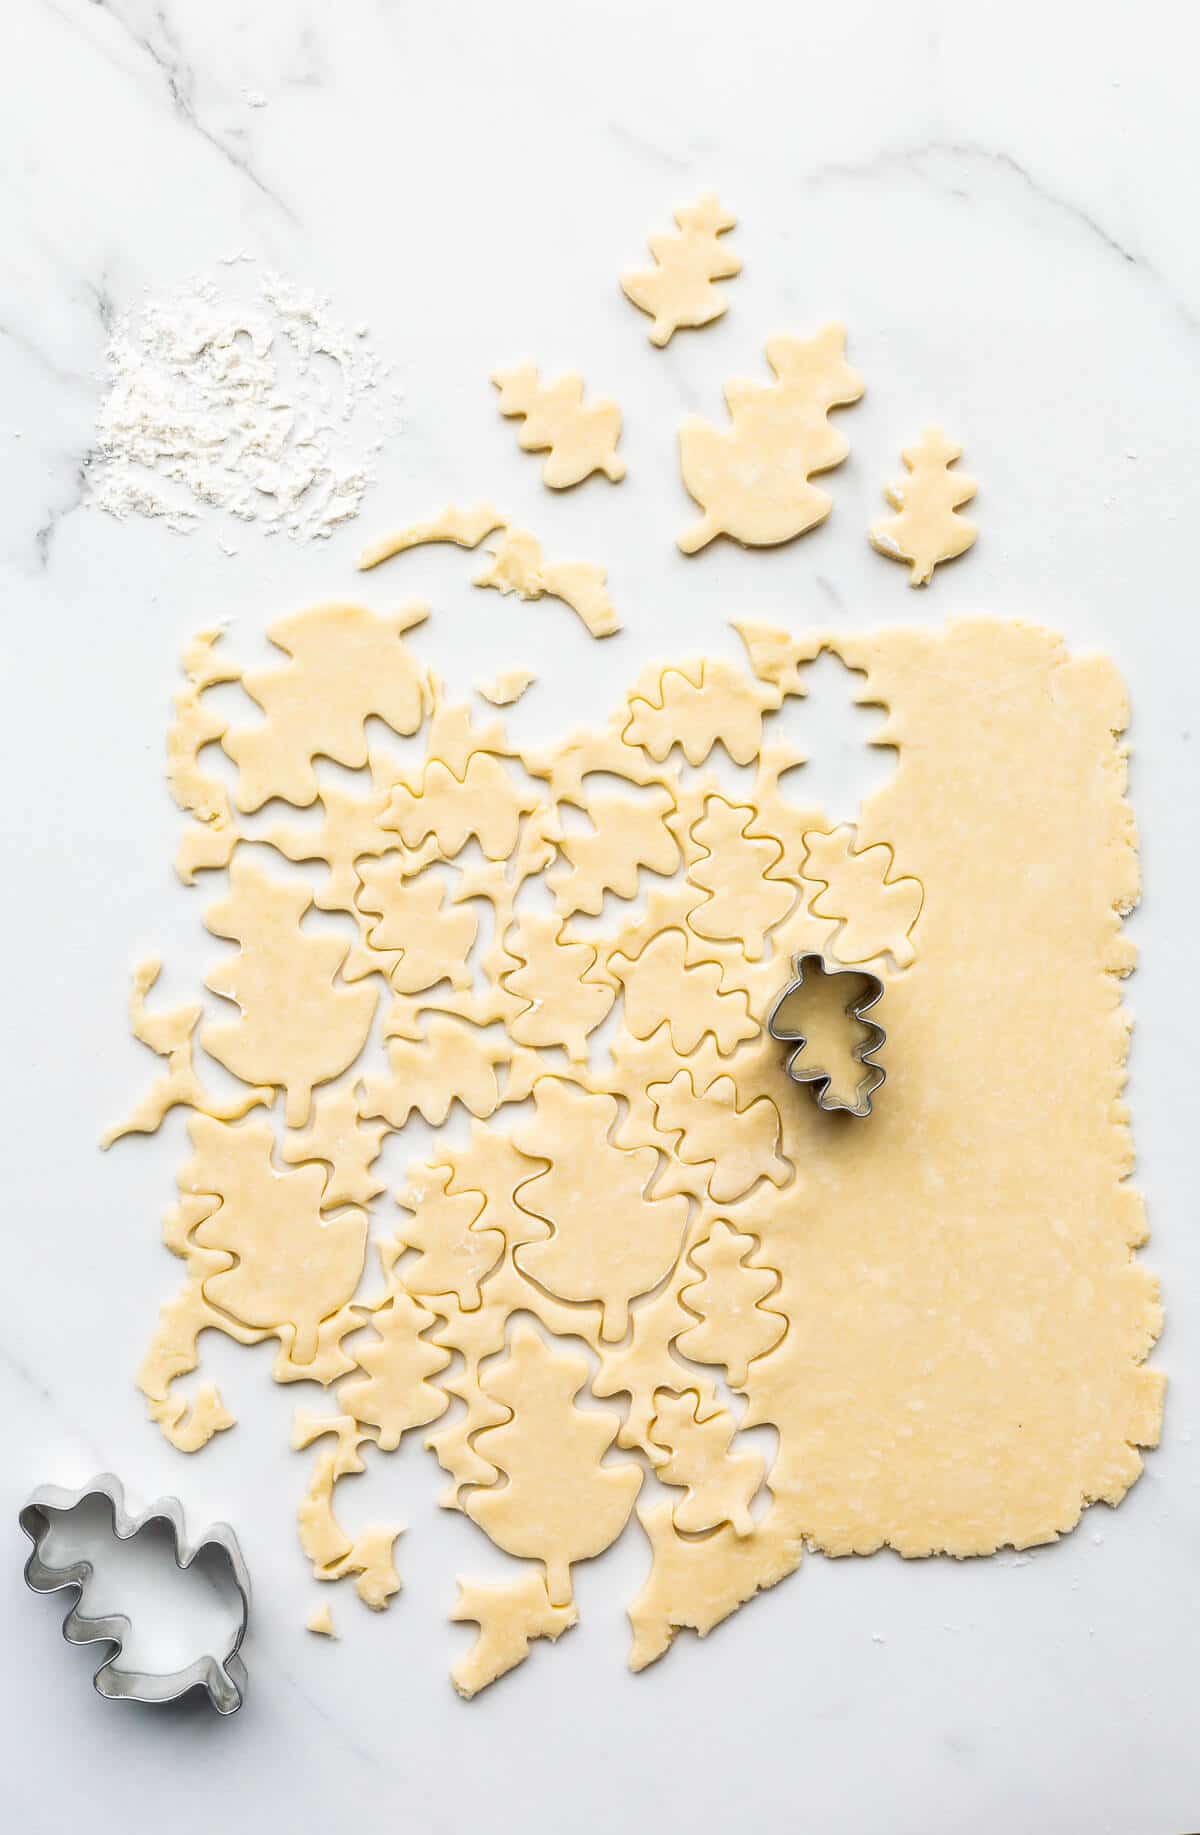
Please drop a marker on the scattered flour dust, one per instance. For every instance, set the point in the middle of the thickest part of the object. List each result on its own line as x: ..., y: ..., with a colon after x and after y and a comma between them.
x: 262, y: 406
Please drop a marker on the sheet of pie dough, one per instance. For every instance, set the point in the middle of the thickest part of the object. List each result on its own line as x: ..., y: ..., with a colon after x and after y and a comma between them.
x: 939, y: 1309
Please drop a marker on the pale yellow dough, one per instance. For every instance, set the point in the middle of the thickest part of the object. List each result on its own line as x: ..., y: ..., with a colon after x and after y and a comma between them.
x: 320, y: 1621
x: 753, y: 480
x: 679, y: 289
x: 464, y: 528
x: 507, y: 687
x: 946, y: 1372
x: 518, y: 566
x: 577, y: 440
x: 927, y: 529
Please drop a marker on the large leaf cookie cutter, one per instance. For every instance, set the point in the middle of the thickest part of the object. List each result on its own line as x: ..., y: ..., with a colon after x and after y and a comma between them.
x: 223, y: 1677
x: 865, y: 990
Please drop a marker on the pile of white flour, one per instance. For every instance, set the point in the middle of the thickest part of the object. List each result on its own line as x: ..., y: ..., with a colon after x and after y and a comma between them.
x: 264, y: 407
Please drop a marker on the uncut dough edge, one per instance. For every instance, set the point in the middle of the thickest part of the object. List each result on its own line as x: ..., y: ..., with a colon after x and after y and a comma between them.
x: 1011, y: 1329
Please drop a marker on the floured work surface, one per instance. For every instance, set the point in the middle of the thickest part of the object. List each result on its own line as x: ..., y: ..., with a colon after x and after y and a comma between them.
x: 938, y: 1308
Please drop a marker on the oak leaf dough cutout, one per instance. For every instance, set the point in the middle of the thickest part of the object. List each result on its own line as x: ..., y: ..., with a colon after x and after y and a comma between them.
x: 877, y: 911
x: 926, y: 529
x: 577, y: 440
x: 752, y: 481
x: 679, y: 290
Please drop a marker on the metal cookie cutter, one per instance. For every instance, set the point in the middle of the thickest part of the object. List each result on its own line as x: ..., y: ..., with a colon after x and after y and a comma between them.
x: 223, y: 1677
x: 866, y: 990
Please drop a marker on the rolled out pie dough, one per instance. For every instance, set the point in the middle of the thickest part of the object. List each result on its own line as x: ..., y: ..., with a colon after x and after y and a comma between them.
x: 939, y: 1310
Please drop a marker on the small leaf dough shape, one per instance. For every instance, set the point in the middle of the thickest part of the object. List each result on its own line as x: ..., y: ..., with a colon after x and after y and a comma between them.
x: 742, y: 903
x: 297, y: 1027
x: 434, y: 944
x: 350, y: 830
x: 660, y: 985
x: 510, y: 1614
x: 752, y: 481
x: 740, y: 1144
x: 290, y: 1264
x: 345, y: 664
x: 169, y: 1036
x: 577, y: 440
x: 877, y: 913
x: 560, y: 1504
x: 345, y: 1143
x: 927, y: 529
x: 628, y: 834
x: 610, y: 1242
x: 564, y: 1000
x: 394, y: 1394
x: 719, y: 1482
x: 697, y: 706
x: 732, y: 1327
x: 454, y: 1062
x: 486, y: 803
x: 455, y: 1255
x: 492, y: 1165
x: 518, y: 566
x: 679, y: 290
x: 464, y: 528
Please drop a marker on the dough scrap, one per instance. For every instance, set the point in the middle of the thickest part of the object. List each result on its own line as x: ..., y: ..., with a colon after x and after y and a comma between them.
x: 169, y: 1036
x: 464, y: 528
x: 679, y: 289
x: 509, y: 1615
x: 697, y: 1454
x: 518, y: 566
x: 506, y: 687
x: 577, y: 440
x: 927, y: 529
x: 320, y: 1621
x: 195, y: 791
x: 752, y: 481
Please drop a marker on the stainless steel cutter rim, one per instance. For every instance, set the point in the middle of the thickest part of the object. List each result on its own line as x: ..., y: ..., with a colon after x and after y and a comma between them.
x: 223, y: 1677
x: 873, y: 1074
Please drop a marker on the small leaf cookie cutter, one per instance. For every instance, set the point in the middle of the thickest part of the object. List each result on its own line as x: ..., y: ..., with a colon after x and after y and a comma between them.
x: 858, y: 1005
x: 223, y: 1677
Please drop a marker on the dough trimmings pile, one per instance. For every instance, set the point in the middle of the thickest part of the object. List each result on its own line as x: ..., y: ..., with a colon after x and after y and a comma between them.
x: 938, y: 1311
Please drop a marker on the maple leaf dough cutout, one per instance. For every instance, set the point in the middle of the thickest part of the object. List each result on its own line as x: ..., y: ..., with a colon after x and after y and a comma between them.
x: 454, y: 1062
x: 563, y: 996
x: 561, y: 1504
x: 877, y: 913
x: 752, y: 481
x: 695, y: 707
x: 578, y: 440
x: 454, y: 1255
x: 394, y: 1394
x: 628, y: 834
x: 433, y: 944
x: 289, y: 1264
x: 927, y: 528
x: 510, y: 1614
x: 742, y: 903
x: 660, y: 985
x: 733, y: 1326
x: 609, y: 1242
x: 679, y: 291
x: 696, y: 1453
x: 740, y: 1145
x: 518, y: 566
x: 485, y: 804
x: 345, y: 664
x: 297, y: 1027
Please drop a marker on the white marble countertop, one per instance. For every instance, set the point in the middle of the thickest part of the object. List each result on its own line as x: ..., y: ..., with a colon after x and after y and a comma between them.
x: 1000, y: 202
